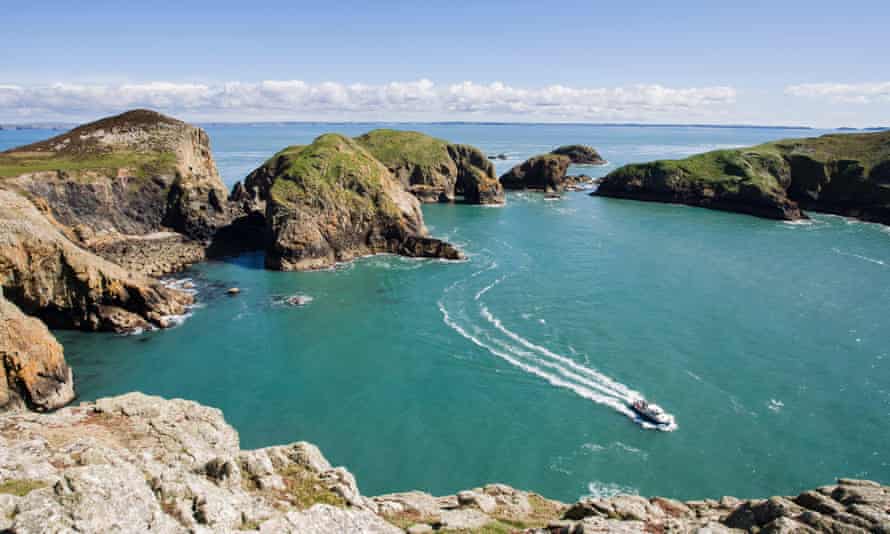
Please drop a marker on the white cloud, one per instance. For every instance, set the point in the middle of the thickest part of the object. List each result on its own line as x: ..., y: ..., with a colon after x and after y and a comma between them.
x: 851, y: 93
x: 289, y: 99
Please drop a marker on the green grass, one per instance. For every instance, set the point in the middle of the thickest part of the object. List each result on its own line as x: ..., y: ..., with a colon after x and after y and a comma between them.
x: 20, y: 487
x: 141, y: 164
x: 304, y: 488
x: 333, y: 172
x: 397, y: 148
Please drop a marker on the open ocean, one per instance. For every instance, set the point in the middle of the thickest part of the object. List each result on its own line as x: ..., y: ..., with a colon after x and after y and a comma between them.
x: 768, y: 342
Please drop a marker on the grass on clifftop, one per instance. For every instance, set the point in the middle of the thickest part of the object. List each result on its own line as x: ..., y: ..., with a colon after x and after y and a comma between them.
x: 138, y: 164
x: 332, y: 172
x: 396, y: 148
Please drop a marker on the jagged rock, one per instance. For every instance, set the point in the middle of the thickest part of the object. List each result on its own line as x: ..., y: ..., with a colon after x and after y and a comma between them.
x: 33, y: 372
x: 435, y: 170
x: 133, y: 174
x: 47, y: 275
x: 845, y: 174
x: 580, y: 154
x: 542, y: 173
x: 332, y: 201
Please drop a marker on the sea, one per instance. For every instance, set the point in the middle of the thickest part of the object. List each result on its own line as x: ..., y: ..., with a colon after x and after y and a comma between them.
x: 767, y: 342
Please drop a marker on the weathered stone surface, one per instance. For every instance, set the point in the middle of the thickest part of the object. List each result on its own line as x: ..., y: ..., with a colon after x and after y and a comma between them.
x: 542, y: 173
x: 47, y: 275
x: 33, y: 372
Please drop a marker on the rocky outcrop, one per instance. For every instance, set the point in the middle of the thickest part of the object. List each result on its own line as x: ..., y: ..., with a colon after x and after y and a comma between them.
x: 845, y: 174
x: 47, y: 275
x: 435, y: 170
x: 332, y: 201
x: 580, y: 154
x: 136, y: 463
x: 33, y: 372
x: 541, y: 173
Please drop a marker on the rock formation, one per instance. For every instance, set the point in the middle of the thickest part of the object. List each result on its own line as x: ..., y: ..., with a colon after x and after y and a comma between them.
x: 580, y: 154
x: 845, y: 174
x: 541, y: 173
x: 135, y: 175
x: 136, y: 463
x: 435, y: 170
x: 33, y: 373
x: 47, y: 275
x: 332, y: 201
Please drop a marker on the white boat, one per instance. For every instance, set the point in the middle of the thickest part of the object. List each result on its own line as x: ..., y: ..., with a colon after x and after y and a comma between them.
x: 650, y: 412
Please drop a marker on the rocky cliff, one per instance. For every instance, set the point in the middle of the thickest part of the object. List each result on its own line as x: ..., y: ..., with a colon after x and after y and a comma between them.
x: 136, y: 464
x: 47, y: 275
x: 332, y: 201
x: 845, y: 174
x: 541, y: 173
x: 33, y: 373
x: 435, y: 170
x: 580, y: 154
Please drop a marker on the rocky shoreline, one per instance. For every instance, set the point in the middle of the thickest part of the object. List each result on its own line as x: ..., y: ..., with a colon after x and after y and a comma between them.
x: 137, y: 463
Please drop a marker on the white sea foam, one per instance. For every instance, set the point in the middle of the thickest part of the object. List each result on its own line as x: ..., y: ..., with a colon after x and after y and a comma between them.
x: 859, y: 256
x: 605, y: 490
x: 775, y: 405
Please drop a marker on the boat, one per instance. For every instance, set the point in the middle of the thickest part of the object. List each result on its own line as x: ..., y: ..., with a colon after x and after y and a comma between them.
x: 650, y: 412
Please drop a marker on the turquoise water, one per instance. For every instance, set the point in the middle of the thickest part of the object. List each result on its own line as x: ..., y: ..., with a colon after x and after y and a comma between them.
x: 767, y: 341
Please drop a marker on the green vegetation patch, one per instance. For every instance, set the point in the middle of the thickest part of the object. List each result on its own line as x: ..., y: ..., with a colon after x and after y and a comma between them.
x: 400, y: 148
x: 333, y: 172
x: 20, y: 487
x: 139, y: 164
x: 304, y: 488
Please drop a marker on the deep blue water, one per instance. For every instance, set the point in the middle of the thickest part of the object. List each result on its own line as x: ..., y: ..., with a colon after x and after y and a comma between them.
x: 767, y: 341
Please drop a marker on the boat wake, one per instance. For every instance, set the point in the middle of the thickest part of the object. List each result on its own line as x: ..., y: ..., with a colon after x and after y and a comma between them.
x: 474, y: 321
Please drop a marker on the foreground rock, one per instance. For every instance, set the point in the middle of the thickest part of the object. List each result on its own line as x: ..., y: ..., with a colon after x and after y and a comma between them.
x: 845, y: 174
x: 540, y: 173
x: 47, y: 275
x: 580, y: 154
x: 33, y: 372
x: 435, y: 170
x: 136, y: 463
x: 332, y: 201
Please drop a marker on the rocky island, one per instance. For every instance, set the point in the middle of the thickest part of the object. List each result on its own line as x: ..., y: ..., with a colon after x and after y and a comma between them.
x: 547, y: 172
x: 844, y: 174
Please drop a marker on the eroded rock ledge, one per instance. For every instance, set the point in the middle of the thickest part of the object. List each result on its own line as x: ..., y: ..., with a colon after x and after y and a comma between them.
x: 137, y: 463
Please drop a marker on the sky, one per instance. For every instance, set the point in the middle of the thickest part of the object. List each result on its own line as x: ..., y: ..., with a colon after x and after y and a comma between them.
x: 805, y: 63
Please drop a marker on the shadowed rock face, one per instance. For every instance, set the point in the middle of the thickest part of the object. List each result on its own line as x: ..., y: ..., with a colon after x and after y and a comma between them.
x: 47, y: 275
x: 543, y: 173
x: 33, y: 372
x: 333, y: 201
x: 846, y: 174
x: 435, y: 170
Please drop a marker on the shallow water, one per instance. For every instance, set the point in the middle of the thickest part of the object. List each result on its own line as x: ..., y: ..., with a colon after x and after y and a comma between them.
x: 767, y: 341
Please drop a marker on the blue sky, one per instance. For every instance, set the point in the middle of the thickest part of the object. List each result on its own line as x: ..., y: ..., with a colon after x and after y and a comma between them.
x: 783, y: 62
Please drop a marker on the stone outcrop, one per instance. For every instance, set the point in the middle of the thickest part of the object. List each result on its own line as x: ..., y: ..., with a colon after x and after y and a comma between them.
x: 136, y: 463
x: 332, y: 201
x: 845, y: 174
x: 47, y: 275
x: 540, y: 173
x: 33, y: 372
x: 435, y: 170
x: 580, y: 154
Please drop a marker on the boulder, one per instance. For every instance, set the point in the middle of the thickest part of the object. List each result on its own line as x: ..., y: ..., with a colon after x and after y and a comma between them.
x: 580, y: 154
x: 542, y: 173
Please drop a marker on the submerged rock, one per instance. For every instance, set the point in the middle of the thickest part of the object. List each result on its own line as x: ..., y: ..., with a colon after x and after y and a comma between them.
x: 332, y: 201
x: 542, y: 173
x: 33, y: 372
x: 846, y: 174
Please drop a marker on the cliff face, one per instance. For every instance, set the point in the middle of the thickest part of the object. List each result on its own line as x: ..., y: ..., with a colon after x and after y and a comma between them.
x: 543, y: 173
x: 435, y: 170
x: 47, y: 275
x: 33, y: 373
x: 136, y: 464
x: 130, y: 174
x: 333, y: 201
x: 846, y: 174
